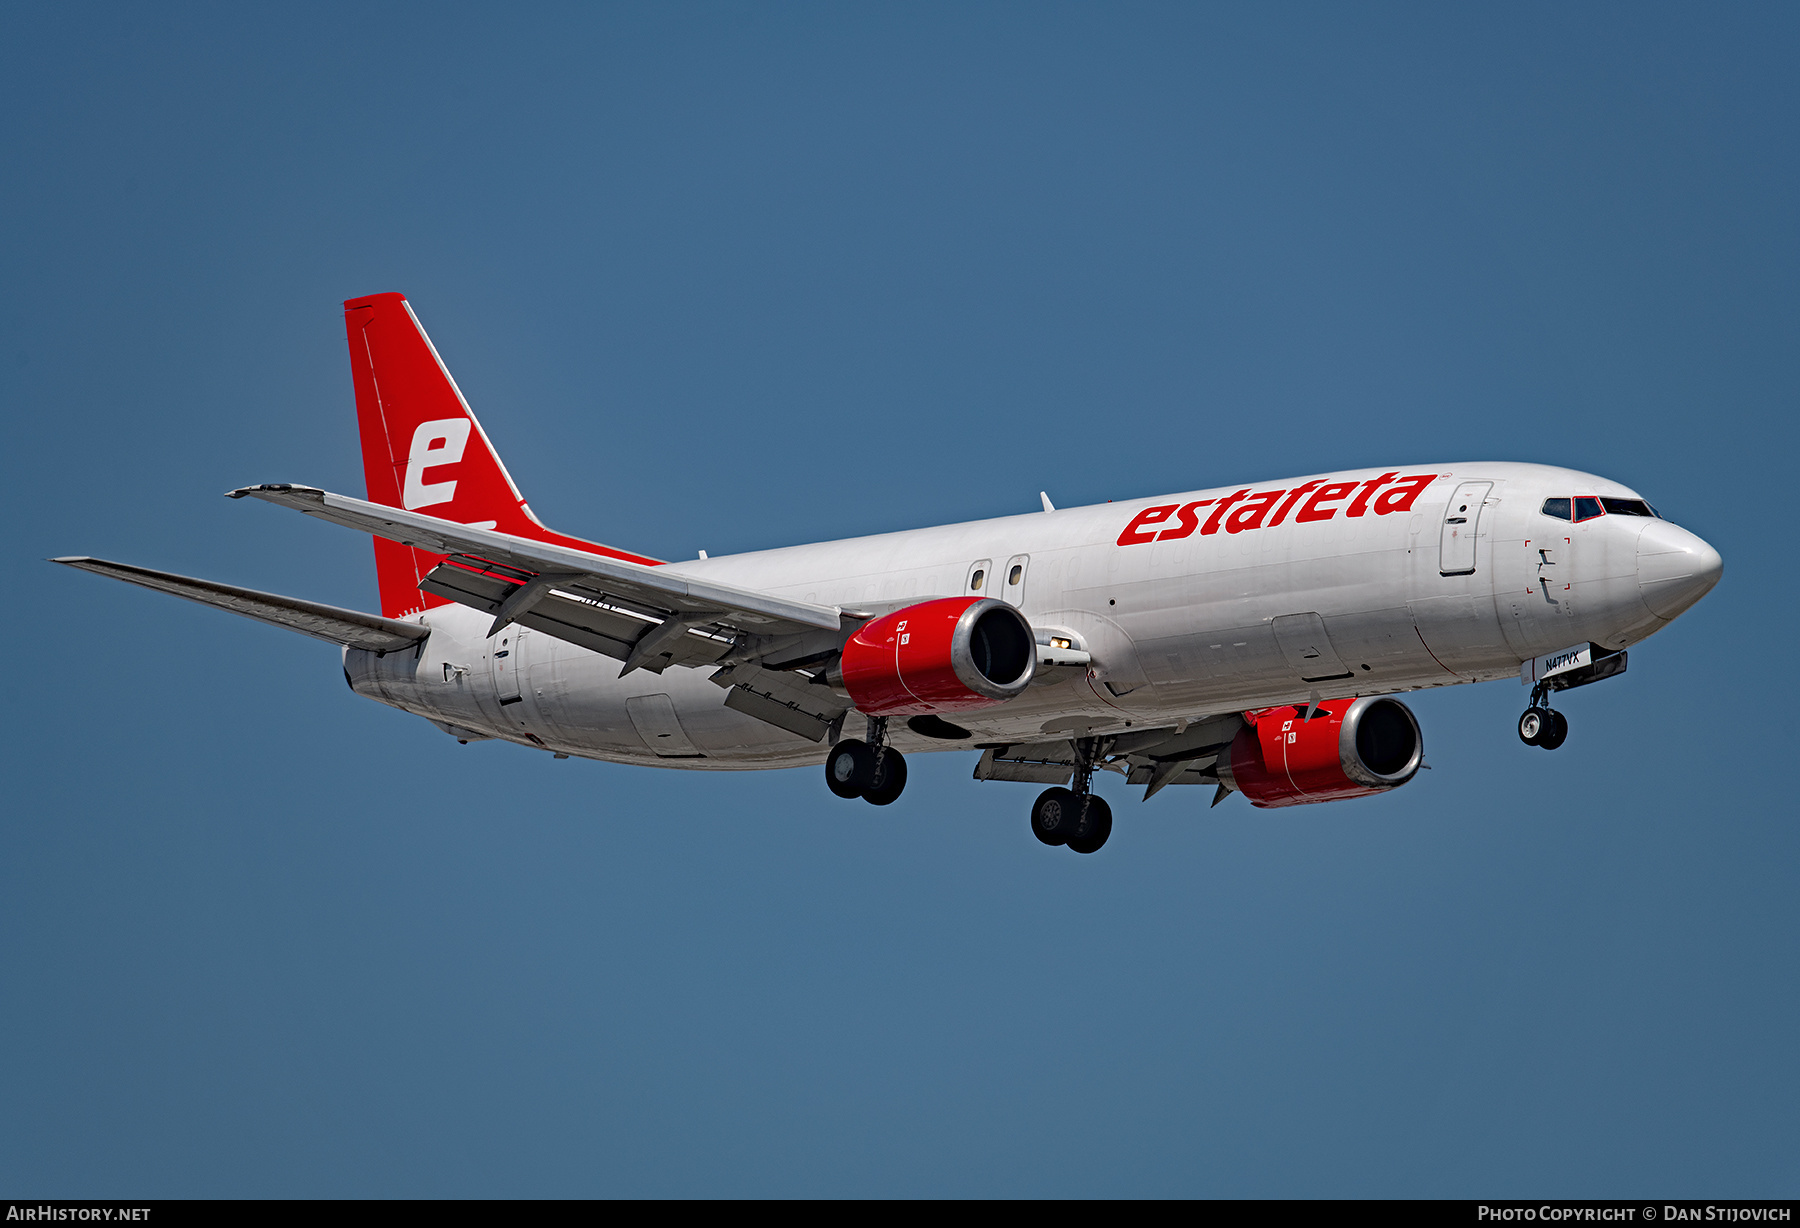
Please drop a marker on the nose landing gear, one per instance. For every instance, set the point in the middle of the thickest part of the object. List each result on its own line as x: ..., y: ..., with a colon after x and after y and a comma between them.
x: 1541, y: 725
x: 870, y: 770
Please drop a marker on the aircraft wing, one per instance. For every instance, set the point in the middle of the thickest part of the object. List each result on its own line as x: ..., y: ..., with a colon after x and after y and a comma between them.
x: 648, y: 617
x: 324, y: 622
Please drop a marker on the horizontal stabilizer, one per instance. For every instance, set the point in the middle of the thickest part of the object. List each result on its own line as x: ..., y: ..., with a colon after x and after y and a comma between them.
x: 324, y: 622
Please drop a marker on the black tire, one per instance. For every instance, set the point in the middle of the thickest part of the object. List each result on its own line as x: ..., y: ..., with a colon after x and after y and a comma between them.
x: 1053, y: 815
x: 1093, y: 829
x: 1533, y: 725
x: 1556, y: 733
x: 890, y: 779
x: 850, y: 768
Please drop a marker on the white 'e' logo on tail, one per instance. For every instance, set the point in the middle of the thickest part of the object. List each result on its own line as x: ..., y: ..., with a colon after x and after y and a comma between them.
x: 433, y: 444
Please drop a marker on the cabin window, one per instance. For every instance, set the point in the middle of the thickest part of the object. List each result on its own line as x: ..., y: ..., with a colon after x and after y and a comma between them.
x: 1558, y: 508
x: 1587, y: 507
x: 976, y: 579
x: 1012, y: 577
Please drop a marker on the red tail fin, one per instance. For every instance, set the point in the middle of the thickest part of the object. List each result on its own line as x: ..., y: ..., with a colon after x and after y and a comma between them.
x: 423, y: 449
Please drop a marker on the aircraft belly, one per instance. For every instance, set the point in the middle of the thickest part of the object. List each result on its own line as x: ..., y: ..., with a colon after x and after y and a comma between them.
x: 588, y: 707
x: 569, y: 700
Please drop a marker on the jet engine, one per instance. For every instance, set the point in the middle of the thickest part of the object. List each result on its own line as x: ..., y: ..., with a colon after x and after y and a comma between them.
x: 1350, y: 748
x: 950, y: 655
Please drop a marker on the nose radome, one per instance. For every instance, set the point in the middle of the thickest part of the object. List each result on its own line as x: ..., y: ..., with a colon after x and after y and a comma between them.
x: 1675, y: 568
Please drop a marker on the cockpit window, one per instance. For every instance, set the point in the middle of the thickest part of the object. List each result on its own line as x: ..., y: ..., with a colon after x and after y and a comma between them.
x: 1586, y: 507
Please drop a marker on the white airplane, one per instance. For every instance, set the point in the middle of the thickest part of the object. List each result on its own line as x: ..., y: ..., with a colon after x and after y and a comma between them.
x: 1248, y: 638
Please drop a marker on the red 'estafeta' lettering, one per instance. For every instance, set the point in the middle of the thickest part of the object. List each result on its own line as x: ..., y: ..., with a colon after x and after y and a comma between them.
x: 1329, y: 493
x: 1186, y: 522
x: 1399, y: 497
x: 1241, y: 510
x: 1212, y: 521
x: 1361, y: 503
x: 1287, y: 505
x: 1134, y: 533
x: 1249, y: 514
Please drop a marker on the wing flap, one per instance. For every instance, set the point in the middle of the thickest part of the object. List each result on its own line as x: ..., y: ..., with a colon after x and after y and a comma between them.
x: 1022, y: 772
x: 772, y: 711
x: 332, y: 624
x: 783, y: 698
x: 588, y: 622
x: 1037, y: 763
x: 1181, y: 772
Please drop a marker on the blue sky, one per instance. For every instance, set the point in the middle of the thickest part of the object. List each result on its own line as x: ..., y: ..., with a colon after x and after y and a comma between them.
x: 729, y: 276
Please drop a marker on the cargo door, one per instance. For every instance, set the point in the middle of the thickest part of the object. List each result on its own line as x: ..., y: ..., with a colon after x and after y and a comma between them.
x: 1308, y: 649
x: 1462, y: 525
x: 653, y: 716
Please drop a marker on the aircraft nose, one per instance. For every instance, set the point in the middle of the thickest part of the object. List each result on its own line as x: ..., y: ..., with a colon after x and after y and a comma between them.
x: 1675, y: 568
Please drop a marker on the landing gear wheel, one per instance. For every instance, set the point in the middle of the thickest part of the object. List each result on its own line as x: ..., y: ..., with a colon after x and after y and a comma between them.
x: 850, y: 768
x: 890, y: 778
x: 1556, y: 733
x: 1053, y: 815
x: 1534, y: 725
x: 1093, y: 829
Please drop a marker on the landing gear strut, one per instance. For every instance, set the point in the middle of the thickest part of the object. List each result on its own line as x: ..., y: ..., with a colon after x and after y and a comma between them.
x: 870, y: 770
x: 1542, y: 725
x: 1074, y: 817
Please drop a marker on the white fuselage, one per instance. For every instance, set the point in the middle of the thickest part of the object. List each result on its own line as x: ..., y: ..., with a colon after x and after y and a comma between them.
x: 1205, y: 624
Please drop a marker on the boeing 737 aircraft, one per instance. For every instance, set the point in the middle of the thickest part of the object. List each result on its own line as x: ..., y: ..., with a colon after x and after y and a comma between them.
x: 1248, y: 638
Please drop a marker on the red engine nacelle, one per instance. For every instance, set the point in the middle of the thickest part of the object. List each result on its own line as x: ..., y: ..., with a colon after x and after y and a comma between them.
x: 949, y: 655
x: 1350, y: 748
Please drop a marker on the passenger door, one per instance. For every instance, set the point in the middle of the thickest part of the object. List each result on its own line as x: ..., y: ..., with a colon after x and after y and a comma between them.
x: 505, y: 659
x: 1461, y: 528
x: 507, y: 667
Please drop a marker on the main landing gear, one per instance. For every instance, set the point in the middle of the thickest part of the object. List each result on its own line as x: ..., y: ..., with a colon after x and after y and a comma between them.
x: 1074, y: 817
x: 870, y: 770
x: 1542, y: 725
